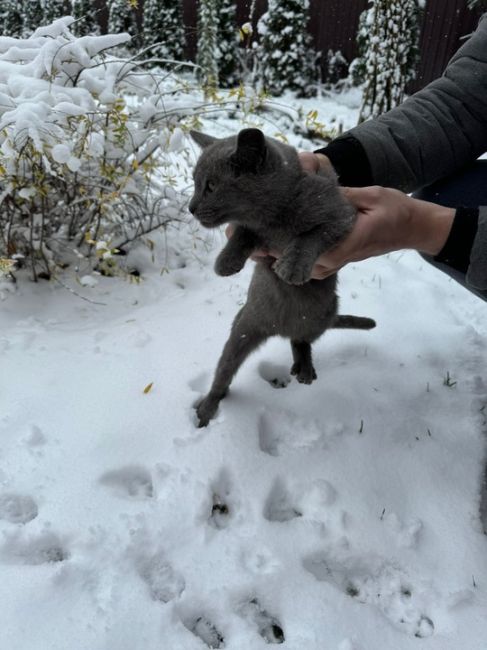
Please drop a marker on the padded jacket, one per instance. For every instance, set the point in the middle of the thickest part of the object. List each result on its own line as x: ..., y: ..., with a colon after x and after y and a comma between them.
x: 432, y: 135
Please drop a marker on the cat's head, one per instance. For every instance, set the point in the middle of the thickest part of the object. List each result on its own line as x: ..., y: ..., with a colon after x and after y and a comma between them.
x: 222, y: 160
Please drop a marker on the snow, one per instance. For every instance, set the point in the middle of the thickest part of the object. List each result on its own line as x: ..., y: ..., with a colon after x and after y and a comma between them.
x: 342, y: 515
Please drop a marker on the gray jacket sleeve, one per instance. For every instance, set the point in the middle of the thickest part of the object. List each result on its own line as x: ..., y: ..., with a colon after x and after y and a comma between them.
x: 435, y: 133
x: 477, y: 271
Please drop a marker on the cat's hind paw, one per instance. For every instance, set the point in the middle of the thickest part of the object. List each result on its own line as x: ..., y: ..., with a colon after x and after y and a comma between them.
x: 305, y: 373
x: 228, y: 265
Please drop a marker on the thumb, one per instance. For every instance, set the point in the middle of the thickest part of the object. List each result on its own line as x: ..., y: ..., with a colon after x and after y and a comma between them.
x: 358, y: 196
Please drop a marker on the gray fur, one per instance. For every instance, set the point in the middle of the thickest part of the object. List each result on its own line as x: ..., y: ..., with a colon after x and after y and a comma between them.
x: 257, y: 183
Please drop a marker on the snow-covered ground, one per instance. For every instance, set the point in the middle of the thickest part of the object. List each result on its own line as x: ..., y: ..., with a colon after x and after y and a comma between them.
x: 338, y: 516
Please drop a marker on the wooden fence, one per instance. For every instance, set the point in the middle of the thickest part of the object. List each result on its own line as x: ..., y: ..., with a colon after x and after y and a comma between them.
x: 333, y: 24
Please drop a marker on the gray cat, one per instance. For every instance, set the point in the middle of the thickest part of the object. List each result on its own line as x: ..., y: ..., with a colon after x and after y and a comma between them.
x: 258, y: 184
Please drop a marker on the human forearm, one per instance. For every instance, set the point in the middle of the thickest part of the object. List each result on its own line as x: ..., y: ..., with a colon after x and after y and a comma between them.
x: 428, y: 228
x: 387, y: 220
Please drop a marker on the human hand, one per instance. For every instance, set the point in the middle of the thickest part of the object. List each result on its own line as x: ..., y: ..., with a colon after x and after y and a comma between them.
x: 387, y: 220
x: 314, y: 163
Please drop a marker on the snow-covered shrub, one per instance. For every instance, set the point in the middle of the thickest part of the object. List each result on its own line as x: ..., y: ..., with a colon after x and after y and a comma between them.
x: 85, y: 148
x: 388, y: 40
x: 86, y: 15
x: 122, y: 19
x: 218, y: 44
x: 208, y: 53
x: 32, y: 17
x: 54, y: 9
x: 163, y: 24
x: 336, y: 67
x: 228, y: 42
x: 287, y: 57
x: 11, y: 17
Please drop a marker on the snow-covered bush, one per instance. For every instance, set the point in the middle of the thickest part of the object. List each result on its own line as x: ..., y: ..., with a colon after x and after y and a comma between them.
x: 32, y: 17
x: 388, y: 40
x: 85, y: 148
x: 86, y: 14
x: 228, y: 40
x: 122, y: 19
x: 336, y: 67
x: 54, y: 9
x: 287, y: 57
x: 208, y: 53
x: 11, y: 17
x: 163, y: 24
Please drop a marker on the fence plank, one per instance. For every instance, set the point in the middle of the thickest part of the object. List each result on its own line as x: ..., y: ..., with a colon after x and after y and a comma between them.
x: 333, y: 24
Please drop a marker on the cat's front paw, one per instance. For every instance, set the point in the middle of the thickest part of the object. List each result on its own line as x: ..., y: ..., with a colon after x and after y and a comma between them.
x: 206, y: 410
x: 228, y: 264
x: 292, y: 271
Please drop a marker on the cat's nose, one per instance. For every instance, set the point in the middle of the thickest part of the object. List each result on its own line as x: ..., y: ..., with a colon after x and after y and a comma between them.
x: 192, y: 206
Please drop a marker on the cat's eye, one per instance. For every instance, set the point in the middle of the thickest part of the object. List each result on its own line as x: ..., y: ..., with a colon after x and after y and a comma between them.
x: 210, y: 186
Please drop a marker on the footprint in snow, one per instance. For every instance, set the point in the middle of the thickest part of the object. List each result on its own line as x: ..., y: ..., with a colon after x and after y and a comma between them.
x: 268, y: 626
x: 164, y: 583
x: 205, y: 630
x: 36, y: 437
x: 280, y: 432
x: 17, y: 508
x: 379, y: 585
x: 132, y: 481
x: 46, y: 548
x: 275, y: 376
x: 279, y: 505
x: 222, y: 504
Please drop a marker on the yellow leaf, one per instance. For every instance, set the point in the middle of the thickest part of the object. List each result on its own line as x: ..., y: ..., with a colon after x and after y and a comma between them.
x: 148, y: 388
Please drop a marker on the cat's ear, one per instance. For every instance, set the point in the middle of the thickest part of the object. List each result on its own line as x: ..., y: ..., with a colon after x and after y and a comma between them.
x: 251, y: 150
x: 202, y: 139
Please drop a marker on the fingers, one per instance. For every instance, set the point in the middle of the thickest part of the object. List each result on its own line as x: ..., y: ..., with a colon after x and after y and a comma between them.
x: 365, y: 198
x: 313, y: 163
x: 263, y: 252
x: 309, y: 162
x: 358, y: 196
x: 321, y: 272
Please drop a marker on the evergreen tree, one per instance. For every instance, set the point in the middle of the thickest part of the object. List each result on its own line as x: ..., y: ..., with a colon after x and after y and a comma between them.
x: 208, y: 50
x: 86, y: 15
x: 228, y: 39
x: 122, y: 18
x: 163, y: 24
x: 336, y: 66
x: 54, y: 9
x: 288, y: 60
x: 11, y: 18
x: 32, y: 16
x: 389, y: 36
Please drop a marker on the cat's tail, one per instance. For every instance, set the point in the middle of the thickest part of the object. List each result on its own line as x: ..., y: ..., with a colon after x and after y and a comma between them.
x: 353, y: 322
